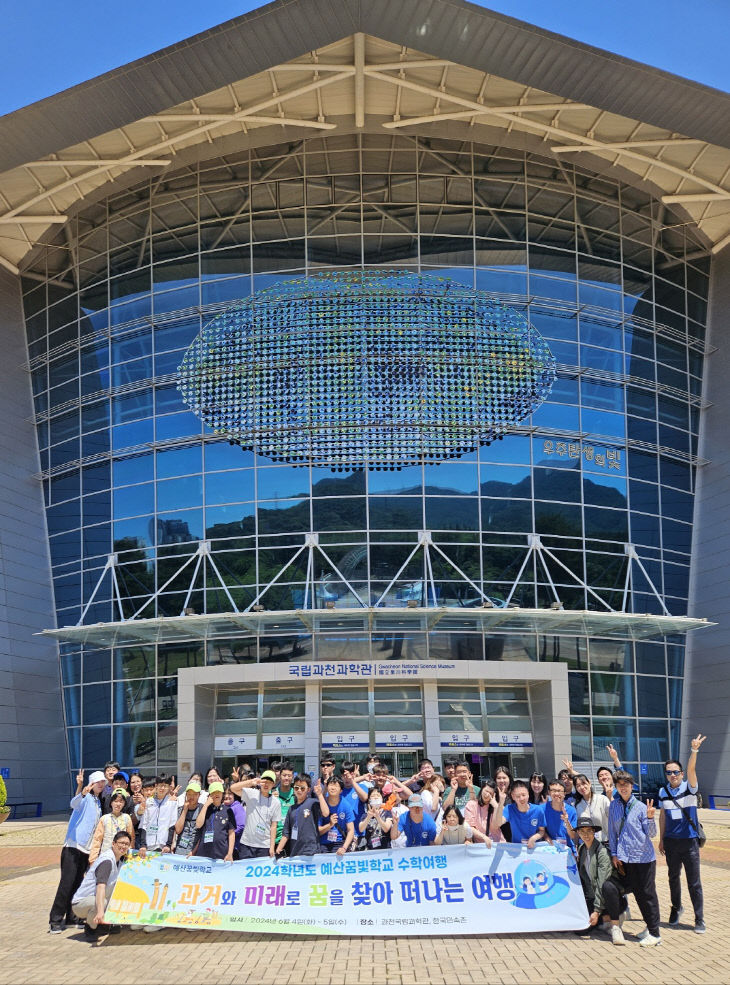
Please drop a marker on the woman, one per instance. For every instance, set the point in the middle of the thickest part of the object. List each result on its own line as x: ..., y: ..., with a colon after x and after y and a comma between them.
x: 503, y: 779
x: 594, y: 805
x: 431, y: 793
x: 539, y: 788
x: 109, y: 824
x: 454, y: 829
x: 376, y: 824
x: 485, y: 814
x: 212, y: 776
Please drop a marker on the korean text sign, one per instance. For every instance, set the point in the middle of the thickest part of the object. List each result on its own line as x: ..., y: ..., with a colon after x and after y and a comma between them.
x: 460, y: 889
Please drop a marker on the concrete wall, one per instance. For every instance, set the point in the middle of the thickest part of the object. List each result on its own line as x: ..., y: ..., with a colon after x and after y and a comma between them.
x: 32, y: 739
x: 707, y: 671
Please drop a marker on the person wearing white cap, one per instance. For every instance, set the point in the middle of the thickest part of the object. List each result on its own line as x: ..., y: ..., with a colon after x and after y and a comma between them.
x: 86, y: 807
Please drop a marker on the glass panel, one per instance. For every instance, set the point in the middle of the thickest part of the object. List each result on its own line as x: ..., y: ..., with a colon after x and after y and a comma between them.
x: 612, y: 694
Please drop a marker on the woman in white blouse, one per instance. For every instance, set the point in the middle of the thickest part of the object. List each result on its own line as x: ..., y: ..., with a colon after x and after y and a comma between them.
x: 594, y: 804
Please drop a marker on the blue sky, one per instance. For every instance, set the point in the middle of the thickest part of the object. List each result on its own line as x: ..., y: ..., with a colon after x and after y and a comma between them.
x: 49, y: 46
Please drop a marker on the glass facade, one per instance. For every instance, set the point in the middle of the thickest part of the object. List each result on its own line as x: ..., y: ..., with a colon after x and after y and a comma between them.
x: 599, y: 268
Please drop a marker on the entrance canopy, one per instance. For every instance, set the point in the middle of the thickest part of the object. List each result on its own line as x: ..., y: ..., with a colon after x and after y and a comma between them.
x: 554, y: 622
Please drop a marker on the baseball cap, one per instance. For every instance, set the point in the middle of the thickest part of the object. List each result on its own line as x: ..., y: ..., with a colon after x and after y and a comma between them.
x: 124, y: 776
x: 118, y: 792
x: 415, y: 800
x: 194, y: 787
x: 268, y: 775
x: 216, y: 787
x: 97, y: 776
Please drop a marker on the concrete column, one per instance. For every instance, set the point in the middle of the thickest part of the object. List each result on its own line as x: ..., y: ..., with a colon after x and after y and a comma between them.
x: 312, y: 729
x: 431, y: 730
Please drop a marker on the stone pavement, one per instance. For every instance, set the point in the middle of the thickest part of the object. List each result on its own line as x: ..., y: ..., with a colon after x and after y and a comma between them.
x: 30, y: 956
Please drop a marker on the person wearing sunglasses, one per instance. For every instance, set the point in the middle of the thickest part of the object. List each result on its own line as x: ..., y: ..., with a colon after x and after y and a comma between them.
x: 679, y: 834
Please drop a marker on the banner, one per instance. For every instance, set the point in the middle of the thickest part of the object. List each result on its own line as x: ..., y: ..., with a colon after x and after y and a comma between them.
x: 459, y: 889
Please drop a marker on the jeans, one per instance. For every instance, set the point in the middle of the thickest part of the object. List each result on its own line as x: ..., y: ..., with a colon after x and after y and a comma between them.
x: 685, y: 852
x: 641, y: 881
x: 74, y: 864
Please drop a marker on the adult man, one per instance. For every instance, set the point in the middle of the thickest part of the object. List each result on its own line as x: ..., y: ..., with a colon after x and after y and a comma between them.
x: 110, y: 771
x: 263, y: 813
x: 301, y: 826
x: 327, y: 767
x: 91, y: 898
x: 157, y: 824
x: 462, y: 789
x: 603, y: 892
x: 566, y: 779
x: 555, y: 826
x: 86, y: 808
x: 418, y: 827
x: 526, y: 820
x: 679, y: 834
x: 631, y: 826
x: 285, y: 793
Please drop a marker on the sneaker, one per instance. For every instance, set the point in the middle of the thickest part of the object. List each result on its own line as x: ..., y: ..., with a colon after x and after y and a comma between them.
x: 650, y: 941
x: 622, y: 919
x: 627, y: 913
x: 114, y: 928
x: 700, y: 927
x: 674, y: 915
x: 644, y: 933
x: 56, y: 928
x: 617, y: 935
x: 152, y: 928
x: 91, y: 934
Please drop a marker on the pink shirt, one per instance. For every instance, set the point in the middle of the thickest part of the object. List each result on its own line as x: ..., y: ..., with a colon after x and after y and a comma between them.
x: 476, y: 815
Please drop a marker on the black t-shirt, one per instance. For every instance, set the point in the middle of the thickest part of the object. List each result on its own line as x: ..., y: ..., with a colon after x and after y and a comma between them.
x: 189, y: 835
x: 106, y: 804
x: 213, y: 836
x: 300, y: 827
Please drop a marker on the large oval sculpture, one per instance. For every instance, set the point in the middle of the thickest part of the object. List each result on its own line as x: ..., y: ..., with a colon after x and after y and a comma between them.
x: 366, y: 369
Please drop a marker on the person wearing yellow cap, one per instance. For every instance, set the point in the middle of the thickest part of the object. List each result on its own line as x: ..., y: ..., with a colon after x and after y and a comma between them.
x: 263, y: 813
x: 216, y: 824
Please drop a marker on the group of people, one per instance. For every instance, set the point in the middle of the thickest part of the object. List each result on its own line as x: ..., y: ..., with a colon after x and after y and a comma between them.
x: 278, y: 812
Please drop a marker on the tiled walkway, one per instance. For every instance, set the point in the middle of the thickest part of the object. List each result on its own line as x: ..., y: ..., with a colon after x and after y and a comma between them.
x: 28, y: 954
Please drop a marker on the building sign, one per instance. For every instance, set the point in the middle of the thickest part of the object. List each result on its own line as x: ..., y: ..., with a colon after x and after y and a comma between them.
x: 283, y: 742
x: 510, y: 740
x: 398, y: 740
x: 366, y: 670
x: 462, y: 739
x: 232, y: 744
x: 605, y: 458
x: 345, y: 740
x: 459, y: 889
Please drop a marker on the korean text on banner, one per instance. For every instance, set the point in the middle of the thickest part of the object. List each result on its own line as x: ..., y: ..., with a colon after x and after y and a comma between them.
x: 459, y: 889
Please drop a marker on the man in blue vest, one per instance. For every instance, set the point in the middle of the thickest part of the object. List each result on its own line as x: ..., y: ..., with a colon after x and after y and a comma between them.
x: 86, y: 807
x: 679, y: 834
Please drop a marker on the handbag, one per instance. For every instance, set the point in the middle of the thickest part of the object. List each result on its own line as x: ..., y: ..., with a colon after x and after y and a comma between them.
x: 701, y: 836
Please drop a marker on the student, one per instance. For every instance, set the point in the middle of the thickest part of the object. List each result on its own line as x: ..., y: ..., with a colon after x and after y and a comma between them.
x: 485, y: 814
x: 217, y: 826
x: 417, y: 826
x: 631, y: 826
x: 110, y: 771
x: 239, y: 812
x: 431, y: 793
x: 526, y: 820
x: 605, y: 778
x: 157, y: 825
x: 120, y: 781
x: 354, y: 792
x: 556, y: 810
x: 194, y: 778
x: 454, y: 829
x: 679, y: 833
x: 596, y: 805
x: 110, y: 824
x: 603, y: 892
x: 376, y: 824
x: 92, y: 897
x: 263, y: 813
x: 338, y: 831
x: 462, y: 789
x: 504, y: 779
x: 301, y: 825
x: 539, y: 792
x: 566, y: 778
x: 186, y: 831
x: 285, y: 793
x: 450, y: 765
x: 425, y: 772
x: 86, y: 807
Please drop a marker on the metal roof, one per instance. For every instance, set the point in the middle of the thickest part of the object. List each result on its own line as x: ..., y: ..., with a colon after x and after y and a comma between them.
x: 416, y: 66
x: 445, y: 619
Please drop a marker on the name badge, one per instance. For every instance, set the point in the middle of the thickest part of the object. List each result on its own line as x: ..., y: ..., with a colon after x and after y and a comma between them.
x: 208, y: 837
x: 333, y: 835
x: 375, y: 841
x: 294, y: 833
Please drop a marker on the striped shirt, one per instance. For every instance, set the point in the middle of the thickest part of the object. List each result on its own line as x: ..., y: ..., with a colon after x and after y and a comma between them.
x: 676, y: 824
x: 630, y: 831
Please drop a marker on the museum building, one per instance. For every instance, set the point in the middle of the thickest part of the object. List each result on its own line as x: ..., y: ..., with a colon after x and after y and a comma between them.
x: 365, y: 390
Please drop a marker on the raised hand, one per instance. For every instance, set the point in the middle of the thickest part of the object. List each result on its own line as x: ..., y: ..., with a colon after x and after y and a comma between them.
x: 80, y: 778
x: 235, y: 775
x: 568, y: 764
x: 696, y: 743
x: 650, y: 809
x: 612, y: 753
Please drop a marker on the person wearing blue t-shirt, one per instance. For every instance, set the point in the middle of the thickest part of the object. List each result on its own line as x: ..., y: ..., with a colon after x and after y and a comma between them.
x: 526, y: 820
x: 354, y: 791
x: 337, y: 832
x: 419, y: 828
x: 556, y: 810
x: 679, y: 834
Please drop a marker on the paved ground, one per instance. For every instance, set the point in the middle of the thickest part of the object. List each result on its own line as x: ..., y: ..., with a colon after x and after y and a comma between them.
x: 30, y: 956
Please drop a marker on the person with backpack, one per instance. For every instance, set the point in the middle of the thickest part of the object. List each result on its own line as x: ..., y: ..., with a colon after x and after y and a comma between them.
x: 680, y: 835
x: 601, y: 883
